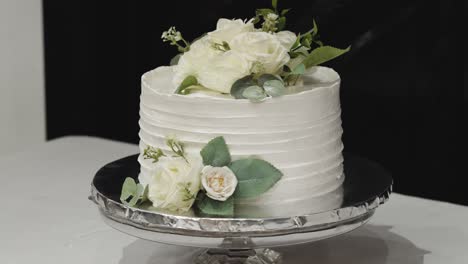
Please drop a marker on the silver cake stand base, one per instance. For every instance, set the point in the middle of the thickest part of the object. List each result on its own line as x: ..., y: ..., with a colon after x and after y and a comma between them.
x: 242, y: 239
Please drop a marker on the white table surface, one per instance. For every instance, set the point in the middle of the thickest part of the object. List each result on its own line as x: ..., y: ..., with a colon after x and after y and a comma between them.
x: 46, y: 218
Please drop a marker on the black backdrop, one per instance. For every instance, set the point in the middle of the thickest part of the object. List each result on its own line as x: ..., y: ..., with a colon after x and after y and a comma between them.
x: 402, y: 84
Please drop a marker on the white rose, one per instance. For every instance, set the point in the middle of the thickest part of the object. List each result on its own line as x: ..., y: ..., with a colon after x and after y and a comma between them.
x: 287, y: 38
x: 223, y: 70
x: 175, y: 183
x: 191, y: 62
x: 219, y: 182
x: 227, y: 29
x: 263, y: 49
x: 214, y: 69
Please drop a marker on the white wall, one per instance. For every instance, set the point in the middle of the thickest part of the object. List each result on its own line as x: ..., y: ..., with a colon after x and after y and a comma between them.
x: 22, y: 110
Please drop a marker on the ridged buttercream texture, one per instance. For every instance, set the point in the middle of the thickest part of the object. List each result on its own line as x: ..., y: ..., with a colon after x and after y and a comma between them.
x: 299, y: 133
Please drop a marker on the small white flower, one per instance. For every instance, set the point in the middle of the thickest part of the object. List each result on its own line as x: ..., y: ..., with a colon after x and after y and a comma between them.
x: 175, y: 183
x: 178, y: 36
x: 218, y: 182
x: 170, y: 34
x: 272, y: 16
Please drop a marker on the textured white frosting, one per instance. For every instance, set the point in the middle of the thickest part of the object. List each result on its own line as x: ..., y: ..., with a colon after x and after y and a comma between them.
x: 299, y: 133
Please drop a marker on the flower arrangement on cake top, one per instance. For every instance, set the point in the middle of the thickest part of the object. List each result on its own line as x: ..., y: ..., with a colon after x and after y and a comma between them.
x: 246, y: 61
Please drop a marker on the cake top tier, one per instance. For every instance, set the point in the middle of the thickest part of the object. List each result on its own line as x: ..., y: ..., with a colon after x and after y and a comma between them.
x: 316, y: 99
x: 160, y: 81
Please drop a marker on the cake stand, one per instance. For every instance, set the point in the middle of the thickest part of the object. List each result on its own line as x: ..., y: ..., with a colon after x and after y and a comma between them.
x: 242, y: 240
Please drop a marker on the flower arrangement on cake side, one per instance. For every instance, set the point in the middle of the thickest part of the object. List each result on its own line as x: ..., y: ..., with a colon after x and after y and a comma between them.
x: 211, y: 180
x: 255, y: 63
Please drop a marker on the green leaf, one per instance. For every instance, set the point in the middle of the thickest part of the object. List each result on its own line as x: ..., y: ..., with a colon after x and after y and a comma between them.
x: 300, y: 69
x: 129, y: 189
x: 264, y: 11
x: 274, y: 88
x: 193, y: 88
x: 318, y: 42
x: 323, y: 54
x: 240, y: 85
x: 187, y: 82
x: 216, y: 153
x: 281, y: 23
x: 137, y: 192
x: 285, y: 11
x: 175, y: 60
x: 210, y: 207
x: 266, y: 77
x: 137, y: 196
x: 254, y: 93
x: 306, y: 40
x: 274, y: 4
x: 255, y: 176
x: 297, y: 42
x: 255, y: 20
x: 314, y: 29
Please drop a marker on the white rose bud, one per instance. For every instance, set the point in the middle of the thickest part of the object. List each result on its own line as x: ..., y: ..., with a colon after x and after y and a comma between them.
x: 263, y: 48
x: 219, y: 182
x: 227, y: 29
x: 175, y: 183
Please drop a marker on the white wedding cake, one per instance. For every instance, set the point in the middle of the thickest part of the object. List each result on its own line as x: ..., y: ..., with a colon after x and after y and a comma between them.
x: 300, y: 133
x: 244, y: 123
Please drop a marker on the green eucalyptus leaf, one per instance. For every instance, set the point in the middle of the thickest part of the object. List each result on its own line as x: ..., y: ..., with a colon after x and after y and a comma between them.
x: 281, y: 23
x: 266, y: 77
x: 323, y: 54
x: 137, y: 196
x: 216, y: 153
x: 210, y: 207
x: 137, y: 192
x: 300, y: 69
x: 274, y: 88
x: 254, y: 93
x: 193, y: 88
x: 240, y: 85
x: 254, y: 176
x: 144, y: 196
x: 187, y: 82
x: 175, y: 60
x: 129, y: 189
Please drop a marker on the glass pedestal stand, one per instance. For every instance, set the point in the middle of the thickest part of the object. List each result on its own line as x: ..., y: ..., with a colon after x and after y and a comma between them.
x: 242, y: 240
x: 239, y: 256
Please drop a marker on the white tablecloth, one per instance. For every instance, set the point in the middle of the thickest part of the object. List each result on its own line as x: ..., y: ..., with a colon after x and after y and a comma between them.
x: 46, y: 218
